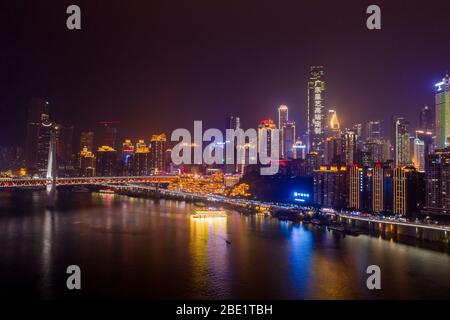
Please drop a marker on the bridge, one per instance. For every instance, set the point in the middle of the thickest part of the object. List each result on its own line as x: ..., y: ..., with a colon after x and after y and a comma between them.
x: 74, y: 181
x: 51, y: 180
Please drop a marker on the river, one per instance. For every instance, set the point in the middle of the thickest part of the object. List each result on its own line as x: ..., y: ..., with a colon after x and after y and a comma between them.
x: 133, y: 248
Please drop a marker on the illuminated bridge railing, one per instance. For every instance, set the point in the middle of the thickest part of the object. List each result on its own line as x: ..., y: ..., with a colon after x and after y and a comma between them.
x: 9, y: 183
x: 445, y: 228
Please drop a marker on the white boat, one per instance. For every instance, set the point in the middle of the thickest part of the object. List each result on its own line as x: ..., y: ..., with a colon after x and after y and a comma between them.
x: 209, y: 213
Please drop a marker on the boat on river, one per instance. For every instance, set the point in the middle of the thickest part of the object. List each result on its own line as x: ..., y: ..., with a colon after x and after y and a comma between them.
x: 209, y: 213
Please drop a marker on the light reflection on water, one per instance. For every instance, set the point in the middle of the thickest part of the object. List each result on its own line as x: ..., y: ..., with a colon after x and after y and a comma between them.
x: 141, y: 248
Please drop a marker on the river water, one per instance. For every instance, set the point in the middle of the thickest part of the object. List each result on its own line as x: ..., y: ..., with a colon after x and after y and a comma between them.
x: 144, y: 249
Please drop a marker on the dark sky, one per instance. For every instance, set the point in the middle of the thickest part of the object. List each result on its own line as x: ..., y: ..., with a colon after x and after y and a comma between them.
x: 159, y: 65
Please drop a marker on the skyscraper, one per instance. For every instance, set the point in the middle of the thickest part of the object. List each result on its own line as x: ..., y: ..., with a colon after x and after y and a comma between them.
x: 38, y: 112
x: 283, y: 118
x: 418, y: 158
x: 442, y: 98
x: 409, y: 190
x: 438, y: 182
x: 349, y: 147
x: 426, y: 121
x: 427, y: 138
x: 331, y: 186
x: 374, y: 130
x: 106, y: 161
x: 360, y: 190
x: 265, y: 128
x: 356, y: 187
x: 283, y: 115
x: 402, y: 147
x: 127, y: 157
x: 316, y: 108
x: 141, y: 159
x: 288, y: 140
x: 109, y: 134
x: 233, y: 122
x: 382, y: 192
x: 157, y: 151
x: 86, y: 163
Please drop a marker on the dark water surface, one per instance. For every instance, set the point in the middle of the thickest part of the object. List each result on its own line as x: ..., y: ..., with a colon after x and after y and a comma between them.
x: 137, y: 248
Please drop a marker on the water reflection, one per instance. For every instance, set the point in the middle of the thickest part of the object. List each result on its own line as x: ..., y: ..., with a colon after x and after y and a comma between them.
x: 141, y: 248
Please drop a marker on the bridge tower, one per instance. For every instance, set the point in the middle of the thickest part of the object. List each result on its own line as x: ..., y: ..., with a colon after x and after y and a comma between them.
x: 51, y: 171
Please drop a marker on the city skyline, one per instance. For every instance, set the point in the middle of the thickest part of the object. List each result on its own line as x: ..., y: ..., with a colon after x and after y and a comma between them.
x: 209, y: 152
x: 96, y: 87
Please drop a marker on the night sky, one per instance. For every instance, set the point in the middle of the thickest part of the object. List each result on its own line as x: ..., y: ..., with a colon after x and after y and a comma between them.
x: 159, y: 65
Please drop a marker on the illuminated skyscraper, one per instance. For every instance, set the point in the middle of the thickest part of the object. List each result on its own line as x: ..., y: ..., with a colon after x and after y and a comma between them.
x: 127, y: 158
x: 409, y: 190
x: 234, y: 123
x: 157, y: 151
x: 442, y: 99
x: 265, y: 128
x: 106, y: 162
x: 288, y: 140
x: 331, y: 186
x: 43, y: 145
x: 438, y: 182
x: 356, y: 186
x: 333, y: 151
x: 141, y: 159
x: 360, y: 188
x: 349, y: 147
x: 299, y: 150
x: 87, y: 163
x: 418, y: 158
x: 283, y: 115
x: 382, y: 192
x: 426, y: 120
x: 427, y: 139
x: 380, y: 150
x: 316, y: 108
x: 374, y: 130
x: 283, y: 118
x: 402, y: 147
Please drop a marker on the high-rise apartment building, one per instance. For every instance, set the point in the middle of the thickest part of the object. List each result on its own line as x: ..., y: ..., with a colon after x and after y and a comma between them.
x: 157, y: 152
x: 401, y: 138
x: 382, y: 188
x: 438, y: 182
x: 409, y: 190
x: 141, y: 159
